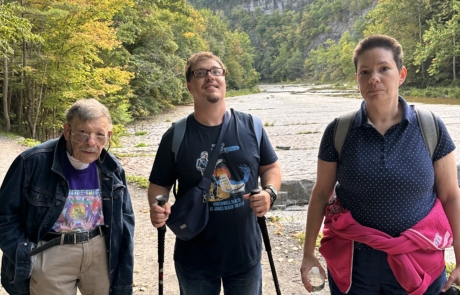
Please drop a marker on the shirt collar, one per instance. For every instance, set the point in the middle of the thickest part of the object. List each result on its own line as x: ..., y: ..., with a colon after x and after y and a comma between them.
x: 361, y: 116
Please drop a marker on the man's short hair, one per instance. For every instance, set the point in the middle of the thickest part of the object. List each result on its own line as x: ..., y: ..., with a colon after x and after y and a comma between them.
x: 197, y: 57
x: 88, y: 109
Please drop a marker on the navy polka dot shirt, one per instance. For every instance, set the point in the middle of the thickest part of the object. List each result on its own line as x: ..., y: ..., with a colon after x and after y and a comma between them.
x: 386, y: 181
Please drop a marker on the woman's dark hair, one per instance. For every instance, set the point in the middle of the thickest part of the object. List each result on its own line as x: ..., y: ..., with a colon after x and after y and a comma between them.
x: 379, y: 41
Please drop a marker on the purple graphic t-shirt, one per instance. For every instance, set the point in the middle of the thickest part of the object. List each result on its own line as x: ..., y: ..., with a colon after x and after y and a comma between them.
x: 83, y: 207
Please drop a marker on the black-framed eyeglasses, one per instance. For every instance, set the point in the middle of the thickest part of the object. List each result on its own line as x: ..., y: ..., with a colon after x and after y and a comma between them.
x: 82, y: 137
x: 201, y: 73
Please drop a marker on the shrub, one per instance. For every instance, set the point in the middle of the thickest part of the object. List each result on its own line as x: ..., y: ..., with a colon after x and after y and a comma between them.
x: 139, y: 180
x: 29, y: 142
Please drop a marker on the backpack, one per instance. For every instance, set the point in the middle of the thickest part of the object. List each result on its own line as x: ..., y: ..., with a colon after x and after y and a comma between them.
x: 181, y: 124
x: 426, y: 121
x: 179, y: 132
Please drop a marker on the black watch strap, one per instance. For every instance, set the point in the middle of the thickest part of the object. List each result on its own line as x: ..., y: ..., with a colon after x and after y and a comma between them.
x: 271, y: 190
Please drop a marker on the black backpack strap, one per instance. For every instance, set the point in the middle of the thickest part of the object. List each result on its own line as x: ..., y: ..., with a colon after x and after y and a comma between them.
x: 429, y: 128
x: 341, y: 130
x: 214, y: 155
x: 426, y: 120
x: 178, y: 134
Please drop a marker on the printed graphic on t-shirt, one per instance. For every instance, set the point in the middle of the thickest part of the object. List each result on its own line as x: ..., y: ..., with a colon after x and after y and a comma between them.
x: 82, y: 211
x: 224, y: 184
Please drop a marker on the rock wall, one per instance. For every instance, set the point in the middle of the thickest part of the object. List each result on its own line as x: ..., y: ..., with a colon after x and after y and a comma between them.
x: 335, y: 32
x: 269, y: 6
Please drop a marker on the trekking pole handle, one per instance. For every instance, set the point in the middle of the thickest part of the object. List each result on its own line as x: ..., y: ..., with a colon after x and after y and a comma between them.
x: 161, y: 200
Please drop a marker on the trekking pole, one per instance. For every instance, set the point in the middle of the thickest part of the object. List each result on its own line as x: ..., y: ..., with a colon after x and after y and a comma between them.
x: 268, y: 248
x: 161, y: 200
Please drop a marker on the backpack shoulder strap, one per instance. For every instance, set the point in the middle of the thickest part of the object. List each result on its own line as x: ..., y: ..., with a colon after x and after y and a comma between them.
x: 429, y: 128
x: 257, y: 125
x: 341, y: 130
x: 178, y: 134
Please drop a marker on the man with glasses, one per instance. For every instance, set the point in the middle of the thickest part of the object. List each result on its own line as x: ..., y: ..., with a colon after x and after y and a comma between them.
x: 66, y: 218
x: 228, y: 251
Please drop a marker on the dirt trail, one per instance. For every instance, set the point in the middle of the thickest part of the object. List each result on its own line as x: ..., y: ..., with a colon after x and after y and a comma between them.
x: 11, y: 149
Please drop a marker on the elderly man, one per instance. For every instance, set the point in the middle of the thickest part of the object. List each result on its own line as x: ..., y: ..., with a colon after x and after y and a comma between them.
x: 228, y: 251
x: 66, y: 218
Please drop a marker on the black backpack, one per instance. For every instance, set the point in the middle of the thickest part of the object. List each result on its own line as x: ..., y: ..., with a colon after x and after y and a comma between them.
x: 426, y: 120
x: 179, y: 131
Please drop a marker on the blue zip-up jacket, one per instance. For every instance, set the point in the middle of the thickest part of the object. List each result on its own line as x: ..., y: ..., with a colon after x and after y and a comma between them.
x: 32, y: 197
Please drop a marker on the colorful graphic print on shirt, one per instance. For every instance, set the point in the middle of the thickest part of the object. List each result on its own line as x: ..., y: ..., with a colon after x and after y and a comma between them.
x: 82, y: 211
x: 224, y: 184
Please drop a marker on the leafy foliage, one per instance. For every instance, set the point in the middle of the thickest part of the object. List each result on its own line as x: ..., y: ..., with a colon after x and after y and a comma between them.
x: 14, y: 29
x: 130, y: 54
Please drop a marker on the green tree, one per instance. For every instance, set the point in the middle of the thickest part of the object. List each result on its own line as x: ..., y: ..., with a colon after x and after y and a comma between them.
x: 240, y: 55
x: 233, y: 47
x: 159, y: 37
x: 441, y: 46
x: 405, y: 21
x: 347, y: 46
x: 68, y: 65
x: 315, y: 64
x: 14, y: 30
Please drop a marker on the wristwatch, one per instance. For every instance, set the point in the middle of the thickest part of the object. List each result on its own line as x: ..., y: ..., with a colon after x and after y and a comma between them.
x: 271, y: 189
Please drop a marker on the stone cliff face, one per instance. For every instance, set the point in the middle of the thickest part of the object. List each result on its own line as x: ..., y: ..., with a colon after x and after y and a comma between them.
x: 338, y: 28
x: 269, y: 6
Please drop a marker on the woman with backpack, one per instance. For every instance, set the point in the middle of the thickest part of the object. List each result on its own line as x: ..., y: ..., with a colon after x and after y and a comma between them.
x: 396, y: 206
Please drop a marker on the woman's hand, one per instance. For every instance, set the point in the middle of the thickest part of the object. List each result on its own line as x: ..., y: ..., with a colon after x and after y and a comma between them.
x: 308, y: 262
x: 454, y: 278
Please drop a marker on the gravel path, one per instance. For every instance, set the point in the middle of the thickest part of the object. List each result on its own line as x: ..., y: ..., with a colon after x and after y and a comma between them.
x: 12, y: 149
x: 292, y: 118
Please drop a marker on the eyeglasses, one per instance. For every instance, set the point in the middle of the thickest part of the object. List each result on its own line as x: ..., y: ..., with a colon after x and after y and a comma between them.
x: 81, y: 137
x: 200, y: 73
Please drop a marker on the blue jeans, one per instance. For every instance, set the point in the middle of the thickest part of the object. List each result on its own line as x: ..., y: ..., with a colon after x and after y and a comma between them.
x: 372, y: 275
x: 206, y: 282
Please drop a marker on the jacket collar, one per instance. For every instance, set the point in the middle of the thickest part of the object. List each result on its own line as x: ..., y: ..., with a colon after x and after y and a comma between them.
x: 109, y: 164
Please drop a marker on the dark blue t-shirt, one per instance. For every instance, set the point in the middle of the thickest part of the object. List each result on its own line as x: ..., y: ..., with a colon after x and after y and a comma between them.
x: 232, y: 239
x: 386, y: 181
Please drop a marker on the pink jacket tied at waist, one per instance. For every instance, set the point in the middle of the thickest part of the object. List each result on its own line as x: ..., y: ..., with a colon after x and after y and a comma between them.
x: 416, y: 256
